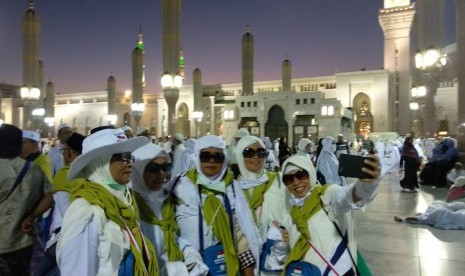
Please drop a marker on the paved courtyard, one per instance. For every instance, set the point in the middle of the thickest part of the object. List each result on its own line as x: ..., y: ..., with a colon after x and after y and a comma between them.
x: 392, y: 248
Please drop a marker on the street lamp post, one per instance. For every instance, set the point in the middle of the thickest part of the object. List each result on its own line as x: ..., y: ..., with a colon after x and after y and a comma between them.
x: 431, y: 63
x: 50, y: 122
x: 418, y: 93
x: 171, y: 85
x: 197, y: 116
x: 30, y: 97
x: 38, y: 114
x: 137, y: 110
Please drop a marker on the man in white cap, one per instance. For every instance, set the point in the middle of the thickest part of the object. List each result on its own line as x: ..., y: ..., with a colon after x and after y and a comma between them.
x: 24, y: 196
x: 128, y: 131
x: 177, y: 142
x: 30, y: 151
x: 143, y: 131
x: 54, y: 154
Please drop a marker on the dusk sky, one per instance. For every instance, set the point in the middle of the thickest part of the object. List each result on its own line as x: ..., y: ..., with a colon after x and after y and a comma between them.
x: 83, y: 42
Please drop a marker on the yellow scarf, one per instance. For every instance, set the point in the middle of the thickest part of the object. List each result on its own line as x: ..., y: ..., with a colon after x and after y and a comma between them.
x: 121, y: 214
x: 45, y: 165
x: 167, y: 224
x: 258, y: 194
x: 221, y: 224
x: 60, y: 181
x: 300, y: 216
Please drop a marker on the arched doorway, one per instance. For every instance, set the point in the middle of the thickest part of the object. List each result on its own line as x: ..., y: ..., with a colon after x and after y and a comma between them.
x: 182, y: 120
x: 363, y: 120
x: 276, y: 125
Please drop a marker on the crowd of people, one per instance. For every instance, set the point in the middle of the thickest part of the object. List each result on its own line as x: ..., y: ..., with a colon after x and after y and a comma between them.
x: 121, y: 202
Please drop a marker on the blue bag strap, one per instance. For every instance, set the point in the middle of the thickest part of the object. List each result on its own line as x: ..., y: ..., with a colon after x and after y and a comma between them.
x: 345, y: 238
x: 228, y: 210
x: 20, y: 177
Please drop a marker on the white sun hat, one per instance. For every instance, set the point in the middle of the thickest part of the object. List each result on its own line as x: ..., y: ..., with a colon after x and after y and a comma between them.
x: 101, y: 143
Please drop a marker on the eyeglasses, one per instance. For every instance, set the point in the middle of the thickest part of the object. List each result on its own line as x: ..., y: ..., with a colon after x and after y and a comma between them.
x: 125, y: 157
x: 250, y: 152
x: 300, y: 175
x: 206, y: 156
x: 158, y: 168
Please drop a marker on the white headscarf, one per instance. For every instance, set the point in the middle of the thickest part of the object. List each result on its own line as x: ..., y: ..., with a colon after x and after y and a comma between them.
x: 98, y: 171
x: 303, y: 142
x: 210, y: 141
x: 247, y: 178
x: 144, y: 156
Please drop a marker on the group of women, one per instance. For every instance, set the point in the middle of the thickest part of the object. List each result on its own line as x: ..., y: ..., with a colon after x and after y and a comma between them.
x: 129, y: 216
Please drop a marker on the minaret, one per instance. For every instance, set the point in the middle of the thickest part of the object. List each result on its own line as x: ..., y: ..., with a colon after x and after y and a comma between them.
x: 171, y: 12
x: 49, y: 100
x: 111, y: 91
x: 31, y: 43
x: 197, y: 88
x: 396, y: 21
x: 460, y: 63
x: 247, y: 62
x: 138, y: 70
x: 49, y: 105
x: 41, y: 80
x: 182, y: 66
x: 287, y: 75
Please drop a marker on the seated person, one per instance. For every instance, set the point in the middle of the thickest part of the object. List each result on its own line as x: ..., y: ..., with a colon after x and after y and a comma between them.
x: 444, y: 157
x: 453, y: 174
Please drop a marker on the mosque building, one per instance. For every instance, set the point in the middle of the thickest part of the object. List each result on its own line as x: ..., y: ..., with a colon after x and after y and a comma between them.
x: 353, y: 103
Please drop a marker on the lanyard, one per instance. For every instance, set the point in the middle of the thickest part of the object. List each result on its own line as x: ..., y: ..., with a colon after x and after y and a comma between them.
x: 134, y: 242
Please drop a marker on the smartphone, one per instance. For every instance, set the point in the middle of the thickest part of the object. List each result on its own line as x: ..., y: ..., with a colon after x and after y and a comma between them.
x: 351, y: 166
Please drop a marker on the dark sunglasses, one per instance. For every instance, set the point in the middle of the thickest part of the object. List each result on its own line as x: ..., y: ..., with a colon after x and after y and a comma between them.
x: 300, y: 175
x: 206, y: 156
x: 158, y: 168
x: 250, y: 152
x: 125, y: 157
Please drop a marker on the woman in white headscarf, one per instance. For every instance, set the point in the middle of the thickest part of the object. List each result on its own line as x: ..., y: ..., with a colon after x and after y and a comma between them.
x: 212, y: 212
x: 152, y: 185
x: 304, y: 147
x: 328, y: 164
x: 99, y: 233
x: 322, y: 231
x: 265, y: 195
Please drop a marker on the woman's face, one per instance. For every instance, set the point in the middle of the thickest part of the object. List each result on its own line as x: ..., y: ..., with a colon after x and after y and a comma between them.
x: 157, y: 173
x: 211, y: 161
x: 297, y: 182
x: 121, y: 167
x: 254, y: 163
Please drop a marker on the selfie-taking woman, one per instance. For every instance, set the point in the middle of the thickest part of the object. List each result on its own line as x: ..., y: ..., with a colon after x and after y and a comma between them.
x: 99, y: 233
x: 263, y: 190
x: 213, y: 214
x: 152, y: 185
x: 322, y: 217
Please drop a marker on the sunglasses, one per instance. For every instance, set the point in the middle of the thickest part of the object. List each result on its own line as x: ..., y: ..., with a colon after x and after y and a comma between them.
x: 300, y: 175
x: 206, y: 156
x: 125, y: 157
x: 250, y: 152
x: 158, y: 168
